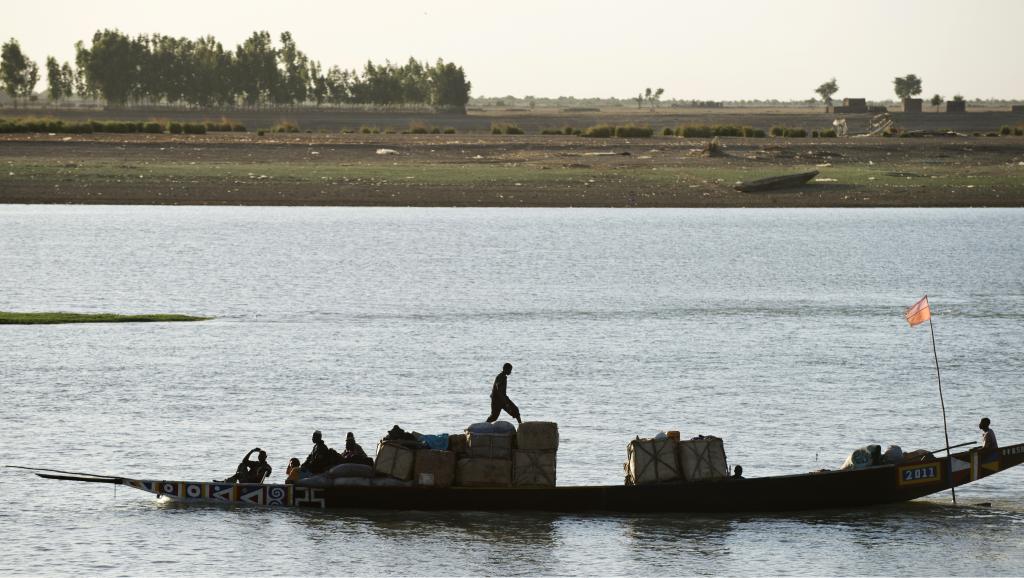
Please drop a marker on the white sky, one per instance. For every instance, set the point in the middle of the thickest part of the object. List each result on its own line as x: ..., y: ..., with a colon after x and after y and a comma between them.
x: 705, y: 49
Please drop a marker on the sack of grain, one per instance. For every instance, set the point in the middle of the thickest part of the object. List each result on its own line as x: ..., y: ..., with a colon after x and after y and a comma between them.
x: 534, y: 468
x: 498, y: 427
x: 394, y: 460
x: 434, y: 468
x: 537, y: 435
x: 492, y: 446
x: 650, y: 461
x: 458, y: 444
x: 703, y: 459
x: 483, y: 472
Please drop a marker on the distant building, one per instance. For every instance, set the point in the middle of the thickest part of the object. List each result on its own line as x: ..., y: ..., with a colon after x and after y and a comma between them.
x: 851, y: 106
x: 912, y: 105
x: 956, y: 106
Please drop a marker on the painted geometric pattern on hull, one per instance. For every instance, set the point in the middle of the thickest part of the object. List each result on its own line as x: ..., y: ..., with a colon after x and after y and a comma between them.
x: 257, y: 494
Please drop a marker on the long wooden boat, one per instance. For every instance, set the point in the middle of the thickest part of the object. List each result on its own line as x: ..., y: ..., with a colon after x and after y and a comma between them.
x: 817, y: 490
x: 775, y: 183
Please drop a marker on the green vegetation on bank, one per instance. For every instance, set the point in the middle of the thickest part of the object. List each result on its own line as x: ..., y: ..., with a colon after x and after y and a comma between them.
x: 49, y: 318
x: 57, y: 126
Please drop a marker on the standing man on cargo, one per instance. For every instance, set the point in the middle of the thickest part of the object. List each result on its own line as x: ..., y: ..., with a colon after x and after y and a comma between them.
x: 499, y: 396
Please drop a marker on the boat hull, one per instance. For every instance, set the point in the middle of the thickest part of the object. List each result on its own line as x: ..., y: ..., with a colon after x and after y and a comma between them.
x: 819, y: 490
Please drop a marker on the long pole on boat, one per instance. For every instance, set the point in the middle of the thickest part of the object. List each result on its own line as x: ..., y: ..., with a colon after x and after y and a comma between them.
x: 942, y: 402
x: 915, y: 315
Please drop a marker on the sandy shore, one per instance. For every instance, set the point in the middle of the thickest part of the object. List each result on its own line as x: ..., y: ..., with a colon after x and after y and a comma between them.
x: 494, y: 170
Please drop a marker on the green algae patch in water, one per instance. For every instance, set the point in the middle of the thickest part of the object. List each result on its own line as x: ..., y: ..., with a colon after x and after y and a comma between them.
x: 51, y: 318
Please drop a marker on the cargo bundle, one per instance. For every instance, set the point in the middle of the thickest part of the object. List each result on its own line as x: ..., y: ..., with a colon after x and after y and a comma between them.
x: 666, y: 459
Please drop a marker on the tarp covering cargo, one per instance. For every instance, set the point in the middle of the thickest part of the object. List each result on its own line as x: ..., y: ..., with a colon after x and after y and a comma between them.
x: 863, y: 457
x: 533, y: 468
x: 483, y: 472
x: 394, y: 460
x: 650, y: 461
x: 703, y: 459
x: 434, y: 468
x: 494, y: 446
x: 498, y: 427
x: 537, y: 435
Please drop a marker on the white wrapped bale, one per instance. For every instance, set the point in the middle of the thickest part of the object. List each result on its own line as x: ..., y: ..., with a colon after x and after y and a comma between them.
x: 703, y: 459
x: 537, y: 435
x: 649, y: 461
x: 394, y: 460
x: 490, y: 446
x: 483, y: 473
x: 534, y: 468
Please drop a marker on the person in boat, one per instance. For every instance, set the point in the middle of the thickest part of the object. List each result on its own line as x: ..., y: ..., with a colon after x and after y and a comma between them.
x: 320, y: 459
x: 292, y: 472
x: 354, y: 453
x: 251, y: 471
x: 988, y: 437
x: 737, y: 472
x: 499, y: 396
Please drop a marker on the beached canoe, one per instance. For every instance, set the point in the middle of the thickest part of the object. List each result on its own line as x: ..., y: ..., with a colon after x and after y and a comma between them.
x: 810, y: 491
x: 776, y: 183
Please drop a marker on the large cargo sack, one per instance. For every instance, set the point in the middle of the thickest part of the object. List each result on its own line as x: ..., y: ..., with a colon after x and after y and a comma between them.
x: 394, y: 460
x: 458, y: 443
x: 534, y: 468
x: 703, y: 459
x: 892, y: 455
x: 498, y: 427
x: 537, y: 435
x: 483, y: 473
x: 434, y: 468
x: 491, y: 446
x: 350, y: 471
x: 866, y: 456
x: 650, y: 461
x: 343, y: 482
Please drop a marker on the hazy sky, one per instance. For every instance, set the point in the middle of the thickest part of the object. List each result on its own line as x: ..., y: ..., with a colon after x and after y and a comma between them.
x: 708, y: 49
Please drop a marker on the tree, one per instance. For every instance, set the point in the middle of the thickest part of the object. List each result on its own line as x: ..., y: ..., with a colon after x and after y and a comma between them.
x: 640, y: 100
x: 449, y: 88
x: 936, y: 101
x: 907, y: 86
x: 18, y: 74
x: 654, y: 97
x: 295, y: 82
x: 826, y: 90
x: 958, y: 98
x: 256, y: 74
x: 57, y: 90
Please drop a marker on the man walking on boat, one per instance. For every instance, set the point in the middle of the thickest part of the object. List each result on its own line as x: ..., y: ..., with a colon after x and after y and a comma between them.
x: 499, y: 396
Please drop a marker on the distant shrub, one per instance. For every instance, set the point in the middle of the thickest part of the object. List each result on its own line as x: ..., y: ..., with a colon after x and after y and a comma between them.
x: 569, y: 130
x: 1005, y: 130
x: 506, y: 129
x: 238, y: 127
x: 694, y: 131
x: 600, y: 131
x: 759, y: 133
x: 152, y: 128
x: 551, y: 131
x: 828, y: 133
x: 634, y: 131
x: 667, y: 131
x: 777, y: 131
x: 794, y: 133
x: 727, y: 130
x: 260, y: 132
x: 194, y: 128
x: 1019, y: 131
x: 369, y: 130
x: 581, y: 109
x: 449, y: 130
x: 814, y: 134
x: 418, y: 128
x: 286, y: 127
x: 175, y: 128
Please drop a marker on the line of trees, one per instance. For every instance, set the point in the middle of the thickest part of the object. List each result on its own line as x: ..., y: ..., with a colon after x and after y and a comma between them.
x: 158, y: 69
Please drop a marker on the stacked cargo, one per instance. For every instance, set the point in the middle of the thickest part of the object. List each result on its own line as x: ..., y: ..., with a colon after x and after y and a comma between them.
x: 534, y: 460
x: 487, y: 462
x: 434, y: 468
x: 665, y: 459
x: 394, y: 460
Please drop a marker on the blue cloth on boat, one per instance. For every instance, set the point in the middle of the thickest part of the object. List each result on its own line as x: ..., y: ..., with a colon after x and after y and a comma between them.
x: 435, y: 441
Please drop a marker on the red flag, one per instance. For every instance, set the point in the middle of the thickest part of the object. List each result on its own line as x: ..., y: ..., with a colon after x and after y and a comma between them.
x: 918, y: 313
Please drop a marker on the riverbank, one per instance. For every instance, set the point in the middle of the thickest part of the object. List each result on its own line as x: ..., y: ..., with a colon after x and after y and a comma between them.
x: 504, y: 170
x: 53, y: 318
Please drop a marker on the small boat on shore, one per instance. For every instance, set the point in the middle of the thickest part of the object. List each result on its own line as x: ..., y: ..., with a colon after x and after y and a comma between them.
x: 775, y: 183
x: 853, y: 488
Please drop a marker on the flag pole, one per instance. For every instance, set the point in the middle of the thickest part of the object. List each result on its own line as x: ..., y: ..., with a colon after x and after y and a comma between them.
x: 945, y: 427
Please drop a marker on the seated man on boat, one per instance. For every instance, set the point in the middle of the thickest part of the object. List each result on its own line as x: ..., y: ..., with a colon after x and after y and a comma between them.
x: 251, y: 471
x: 292, y: 473
x: 499, y: 397
x: 354, y: 453
x: 321, y: 459
x: 988, y: 437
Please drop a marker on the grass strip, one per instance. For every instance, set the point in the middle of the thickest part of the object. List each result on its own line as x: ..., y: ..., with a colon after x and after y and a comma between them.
x: 50, y: 318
